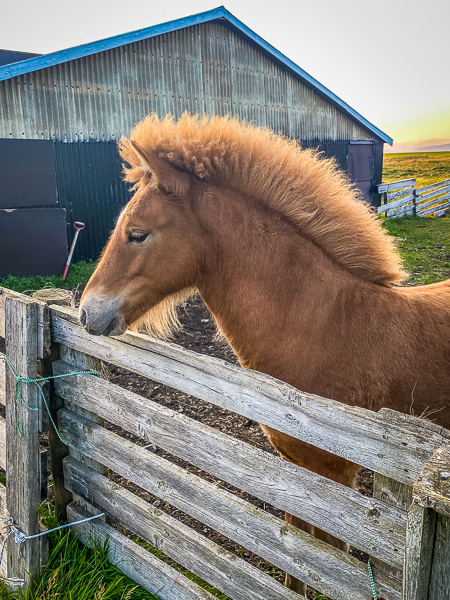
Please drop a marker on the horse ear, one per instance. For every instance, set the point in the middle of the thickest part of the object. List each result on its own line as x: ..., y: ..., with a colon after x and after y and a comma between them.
x: 168, y: 178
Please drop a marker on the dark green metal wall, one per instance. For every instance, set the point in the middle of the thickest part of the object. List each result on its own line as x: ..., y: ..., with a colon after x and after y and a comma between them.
x: 90, y: 188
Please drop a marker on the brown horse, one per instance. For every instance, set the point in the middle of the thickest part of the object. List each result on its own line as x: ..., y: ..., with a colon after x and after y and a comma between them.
x: 294, y: 267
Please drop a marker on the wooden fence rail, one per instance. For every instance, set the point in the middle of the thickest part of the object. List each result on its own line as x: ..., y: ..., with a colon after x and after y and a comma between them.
x: 397, y: 448
x: 330, y: 571
x: 259, y: 473
x: 404, y: 198
x: 408, y: 543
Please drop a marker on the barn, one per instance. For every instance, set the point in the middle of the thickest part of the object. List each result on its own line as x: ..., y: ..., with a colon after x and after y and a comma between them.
x: 61, y: 115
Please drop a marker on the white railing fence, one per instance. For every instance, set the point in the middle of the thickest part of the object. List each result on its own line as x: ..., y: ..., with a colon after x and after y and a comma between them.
x: 402, y: 198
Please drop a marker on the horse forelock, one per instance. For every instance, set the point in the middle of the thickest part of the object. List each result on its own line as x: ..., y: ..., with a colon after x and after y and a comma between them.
x: 308, y: 190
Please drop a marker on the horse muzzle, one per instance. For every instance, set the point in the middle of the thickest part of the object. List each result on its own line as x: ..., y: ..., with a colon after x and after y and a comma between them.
x: 101, y: 315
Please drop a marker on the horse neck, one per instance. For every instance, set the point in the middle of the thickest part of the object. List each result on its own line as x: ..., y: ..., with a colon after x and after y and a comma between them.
x: 290, y: 311
x: 272, y: 291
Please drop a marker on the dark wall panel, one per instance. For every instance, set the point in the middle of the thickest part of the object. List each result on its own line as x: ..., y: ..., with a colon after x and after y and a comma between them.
x: 33, y: 241
x: 378, y: 150
x: 361, y: 167
x: 27, y: 173
x: 90, y: 188
x: 339, y: 149
x: 360, y: 162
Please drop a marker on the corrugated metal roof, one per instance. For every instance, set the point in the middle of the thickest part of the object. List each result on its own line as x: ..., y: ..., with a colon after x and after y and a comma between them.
x: 221, y: 14
x: 8, y: 57
x: 206, y: 69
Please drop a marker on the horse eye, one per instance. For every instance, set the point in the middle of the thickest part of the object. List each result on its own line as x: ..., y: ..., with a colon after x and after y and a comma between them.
x: 137, y: 236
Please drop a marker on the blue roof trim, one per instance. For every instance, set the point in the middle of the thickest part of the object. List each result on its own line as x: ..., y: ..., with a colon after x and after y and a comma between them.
x: 61, y: 56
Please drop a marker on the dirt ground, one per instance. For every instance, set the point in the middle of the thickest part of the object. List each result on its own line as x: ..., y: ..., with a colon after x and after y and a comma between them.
x: 198, y: 333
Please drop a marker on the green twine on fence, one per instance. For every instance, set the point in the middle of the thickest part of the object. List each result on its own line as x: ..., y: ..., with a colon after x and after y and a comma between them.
x: 372, y: 582
x: 18, y: 398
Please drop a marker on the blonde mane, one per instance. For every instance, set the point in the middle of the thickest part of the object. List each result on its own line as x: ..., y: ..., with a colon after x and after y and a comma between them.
x: 311, y: 192
x: 162, y: 320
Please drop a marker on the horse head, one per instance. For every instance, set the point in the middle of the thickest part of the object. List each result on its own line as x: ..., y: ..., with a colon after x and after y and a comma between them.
x: 152, y: 254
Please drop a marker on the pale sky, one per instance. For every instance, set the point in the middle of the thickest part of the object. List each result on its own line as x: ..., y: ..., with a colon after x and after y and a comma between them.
x: 388, y: 59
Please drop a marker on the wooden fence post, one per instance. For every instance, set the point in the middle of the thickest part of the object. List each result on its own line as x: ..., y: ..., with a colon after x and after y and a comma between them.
x: 416, y: 199
x: 58, y: 450
x: 420, y: 540
x: 23, y: 476
x: 427, y: 563
x: 80, y: 361
x: 399, y: 495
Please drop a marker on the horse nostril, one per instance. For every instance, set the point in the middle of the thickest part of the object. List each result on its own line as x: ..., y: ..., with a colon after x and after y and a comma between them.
x: 83, y: 317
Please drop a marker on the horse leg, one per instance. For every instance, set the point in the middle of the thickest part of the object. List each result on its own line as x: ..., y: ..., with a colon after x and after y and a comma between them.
x: 325, y: 464
x: 293, y: 583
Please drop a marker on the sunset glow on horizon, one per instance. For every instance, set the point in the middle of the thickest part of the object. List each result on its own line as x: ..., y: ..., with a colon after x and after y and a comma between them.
x: 419, y: 132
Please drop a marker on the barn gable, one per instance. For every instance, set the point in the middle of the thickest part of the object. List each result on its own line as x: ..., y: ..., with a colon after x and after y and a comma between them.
x: 81, y: 100
x: 209, y: 62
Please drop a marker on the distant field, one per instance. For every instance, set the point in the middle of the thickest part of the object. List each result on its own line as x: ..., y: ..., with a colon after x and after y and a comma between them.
x: 426, y: 167
x: 424, y: 244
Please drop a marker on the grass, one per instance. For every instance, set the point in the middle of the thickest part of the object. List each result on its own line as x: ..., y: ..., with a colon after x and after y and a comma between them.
x: 75, y: 572
x: 424, y: 245
x: 425, y: 167
x: 79, y: 274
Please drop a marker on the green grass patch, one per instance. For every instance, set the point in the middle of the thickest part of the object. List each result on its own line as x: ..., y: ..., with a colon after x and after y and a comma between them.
x: 76, y: 572
x: 425, y: 167
x: 424, y: 245
x: 78, y: 275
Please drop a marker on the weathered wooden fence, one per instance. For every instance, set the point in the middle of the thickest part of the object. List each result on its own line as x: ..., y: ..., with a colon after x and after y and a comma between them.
x: 24, y: 327
x: 410, y: 547
x: 404, y: 198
